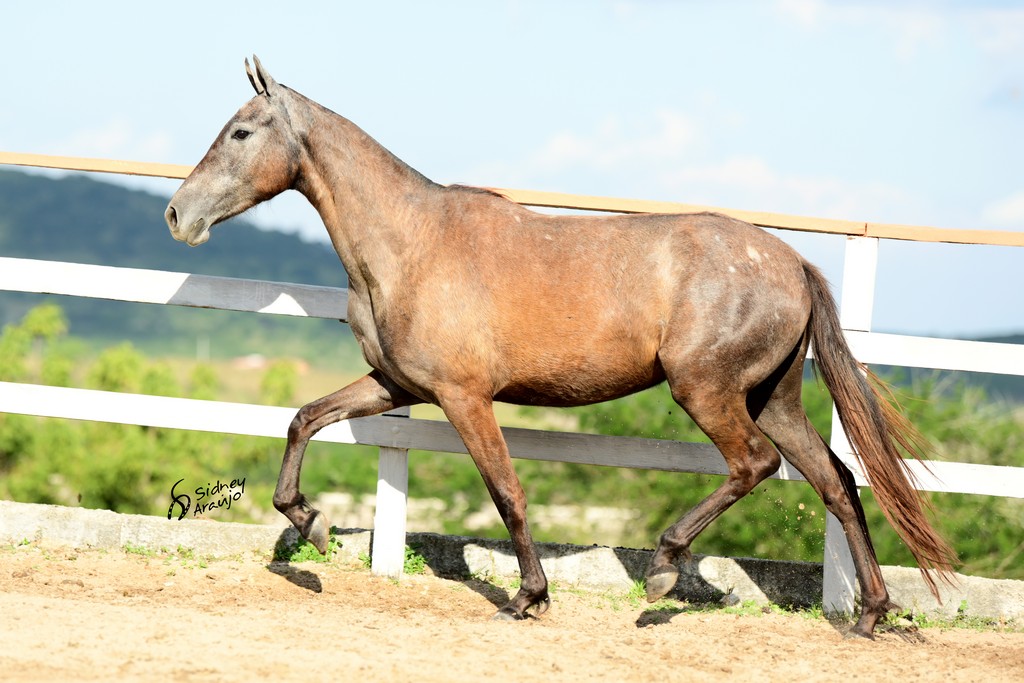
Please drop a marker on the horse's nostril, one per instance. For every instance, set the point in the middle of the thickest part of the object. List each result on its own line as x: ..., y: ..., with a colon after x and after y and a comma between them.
x: 172, y: 217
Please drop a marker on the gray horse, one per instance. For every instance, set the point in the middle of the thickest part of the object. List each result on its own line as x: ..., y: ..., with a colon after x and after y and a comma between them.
x: 460, y: 297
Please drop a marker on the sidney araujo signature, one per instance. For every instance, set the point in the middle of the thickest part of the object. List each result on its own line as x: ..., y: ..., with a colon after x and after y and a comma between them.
x: 216, y: 496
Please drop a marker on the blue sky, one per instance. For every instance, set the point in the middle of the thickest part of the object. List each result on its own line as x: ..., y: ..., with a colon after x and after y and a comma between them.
x: 899, y: 112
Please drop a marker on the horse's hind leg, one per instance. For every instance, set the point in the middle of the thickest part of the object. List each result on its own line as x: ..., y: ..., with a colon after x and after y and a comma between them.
x: 370, y: 395
x: 750, y: 458
x: 784, y: 420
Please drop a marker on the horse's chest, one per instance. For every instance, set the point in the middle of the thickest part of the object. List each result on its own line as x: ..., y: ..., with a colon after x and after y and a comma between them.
x: 364, y: 329
x: 374, y: 330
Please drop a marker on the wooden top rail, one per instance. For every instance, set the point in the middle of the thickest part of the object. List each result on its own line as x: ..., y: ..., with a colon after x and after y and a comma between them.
x: 96, y: 165
x: 764, y: 219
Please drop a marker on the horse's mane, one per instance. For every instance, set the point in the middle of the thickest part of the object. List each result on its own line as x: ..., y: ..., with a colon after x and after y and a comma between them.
x: 475, y: 190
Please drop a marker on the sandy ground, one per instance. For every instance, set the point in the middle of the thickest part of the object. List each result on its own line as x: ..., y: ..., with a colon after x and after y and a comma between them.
x: 68, y: 615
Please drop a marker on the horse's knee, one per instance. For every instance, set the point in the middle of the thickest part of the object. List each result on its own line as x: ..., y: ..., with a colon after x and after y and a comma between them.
x: 300, y: 423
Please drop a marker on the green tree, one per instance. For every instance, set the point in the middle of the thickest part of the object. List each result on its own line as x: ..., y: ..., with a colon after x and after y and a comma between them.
x: 203, y: 382
x: 119, y: 368
x: 15, y: 344
x: 36, y: 333
x: 278, y: 385
x: 45, y: 322
x: 158, y: 380
x: 56, y: 368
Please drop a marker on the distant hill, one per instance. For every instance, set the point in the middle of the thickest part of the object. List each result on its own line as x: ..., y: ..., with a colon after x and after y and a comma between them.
x: 82, y: 220
x: 79, y: 219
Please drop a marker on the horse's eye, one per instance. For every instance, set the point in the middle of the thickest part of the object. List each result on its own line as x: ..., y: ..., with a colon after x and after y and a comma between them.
x: 240, y: 134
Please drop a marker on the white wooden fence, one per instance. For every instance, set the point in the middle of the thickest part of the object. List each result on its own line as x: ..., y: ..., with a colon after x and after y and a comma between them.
x: 394, y: 434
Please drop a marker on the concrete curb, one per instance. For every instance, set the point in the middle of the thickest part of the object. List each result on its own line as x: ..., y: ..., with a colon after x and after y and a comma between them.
x: 596, y: 568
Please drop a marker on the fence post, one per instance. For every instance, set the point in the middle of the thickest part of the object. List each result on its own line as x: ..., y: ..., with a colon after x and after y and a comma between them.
x: 388, y: 552
x: 858, y: 294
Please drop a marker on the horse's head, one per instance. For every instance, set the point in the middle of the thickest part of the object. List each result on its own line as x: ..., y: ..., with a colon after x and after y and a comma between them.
x: 255, y: 157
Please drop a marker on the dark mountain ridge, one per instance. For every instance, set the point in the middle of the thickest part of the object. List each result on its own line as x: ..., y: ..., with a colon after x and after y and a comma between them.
x: 79, y: 219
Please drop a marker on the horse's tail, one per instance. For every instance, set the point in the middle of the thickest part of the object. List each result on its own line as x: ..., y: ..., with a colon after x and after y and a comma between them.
x: 876, y: 431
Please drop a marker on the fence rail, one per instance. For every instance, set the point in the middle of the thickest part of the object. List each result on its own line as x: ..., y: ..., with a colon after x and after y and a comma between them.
x: 395, y: 434
x: 558, y: 200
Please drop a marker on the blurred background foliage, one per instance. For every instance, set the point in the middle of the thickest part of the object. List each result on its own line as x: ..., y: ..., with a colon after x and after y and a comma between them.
x: 131, y: 469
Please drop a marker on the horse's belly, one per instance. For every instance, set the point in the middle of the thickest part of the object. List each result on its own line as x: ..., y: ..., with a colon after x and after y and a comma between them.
x: 573, y: 381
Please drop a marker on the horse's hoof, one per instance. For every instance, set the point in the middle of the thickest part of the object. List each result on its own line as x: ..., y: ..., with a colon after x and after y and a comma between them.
x: 507, y: 613
x: 318, y: 532
x: 855, y: 634
x: 660, y: 581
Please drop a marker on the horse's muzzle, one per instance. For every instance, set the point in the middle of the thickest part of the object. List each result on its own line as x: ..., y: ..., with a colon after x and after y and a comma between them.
x: 194, y: 234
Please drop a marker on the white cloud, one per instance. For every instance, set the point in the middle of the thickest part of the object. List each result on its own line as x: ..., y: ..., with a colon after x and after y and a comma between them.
x: 614, y: 143
x: 996, y: 30
x: 117, y: 139
x: 999, y: 32
x: 910, y: 27
x: 1007, y: 212
x: 665, y: 156
x: 914, y: 28
x: 750, y: 182
x: 806, y: 12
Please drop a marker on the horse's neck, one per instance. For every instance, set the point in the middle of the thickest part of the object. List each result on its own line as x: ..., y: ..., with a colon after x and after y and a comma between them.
x: 374, y: 206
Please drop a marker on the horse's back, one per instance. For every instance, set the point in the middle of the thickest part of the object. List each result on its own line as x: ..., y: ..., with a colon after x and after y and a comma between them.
x: 645, y: 268
x: 584, y: 309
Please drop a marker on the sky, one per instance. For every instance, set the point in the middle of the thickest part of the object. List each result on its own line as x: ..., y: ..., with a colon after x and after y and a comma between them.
x: 895, y: 112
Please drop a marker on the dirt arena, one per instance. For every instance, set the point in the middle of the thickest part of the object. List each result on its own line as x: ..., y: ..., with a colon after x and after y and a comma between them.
x: 81, y: 616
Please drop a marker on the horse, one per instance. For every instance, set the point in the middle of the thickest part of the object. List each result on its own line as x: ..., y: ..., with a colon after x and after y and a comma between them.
x: 460, y: 297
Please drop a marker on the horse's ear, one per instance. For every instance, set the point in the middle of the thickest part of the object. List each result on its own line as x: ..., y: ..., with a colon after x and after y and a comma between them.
x: 256, y: 85
x: 262, y: 82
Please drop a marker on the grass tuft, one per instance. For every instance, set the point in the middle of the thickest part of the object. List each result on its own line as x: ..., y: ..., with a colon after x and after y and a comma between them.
x: 302, y: 550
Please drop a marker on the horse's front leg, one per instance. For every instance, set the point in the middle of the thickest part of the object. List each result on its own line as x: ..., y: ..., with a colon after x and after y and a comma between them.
x: 473, y: 418
x: 370, y: 395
